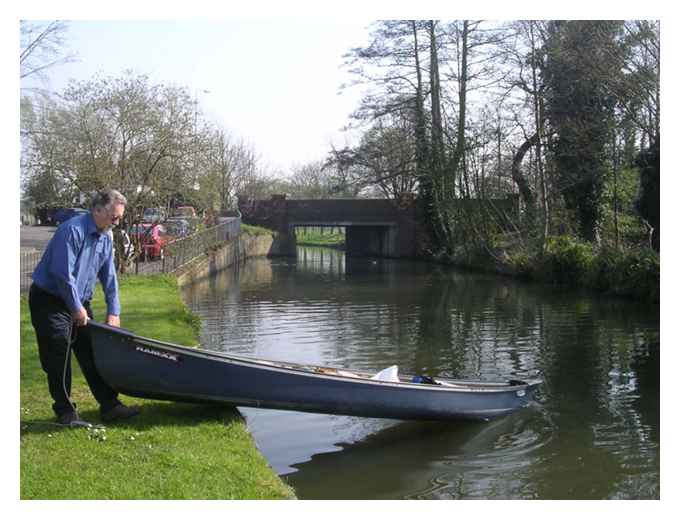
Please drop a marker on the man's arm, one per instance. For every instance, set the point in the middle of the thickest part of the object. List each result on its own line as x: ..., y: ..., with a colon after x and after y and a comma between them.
x: 62, y: 265
x: 109, y: 280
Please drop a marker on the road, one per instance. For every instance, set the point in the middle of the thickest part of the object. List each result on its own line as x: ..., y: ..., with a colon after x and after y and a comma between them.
x: 36, y: 237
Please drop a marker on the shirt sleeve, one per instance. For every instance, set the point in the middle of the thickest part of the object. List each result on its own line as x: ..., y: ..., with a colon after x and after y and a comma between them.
x: 109, y: 280
x: 65, y: 255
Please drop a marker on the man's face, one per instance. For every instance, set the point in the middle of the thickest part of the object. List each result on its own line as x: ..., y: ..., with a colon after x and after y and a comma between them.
x: 106, y: 218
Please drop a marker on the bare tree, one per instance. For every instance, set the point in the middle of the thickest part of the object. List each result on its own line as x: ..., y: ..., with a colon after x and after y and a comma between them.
x: 42, y: 47
x: 393, y: 69
x: 385, y: 159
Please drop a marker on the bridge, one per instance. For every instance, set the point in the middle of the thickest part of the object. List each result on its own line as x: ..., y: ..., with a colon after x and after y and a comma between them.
x: 373, y: 227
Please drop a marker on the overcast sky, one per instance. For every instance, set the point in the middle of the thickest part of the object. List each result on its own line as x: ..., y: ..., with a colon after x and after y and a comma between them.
x: 273, y: 82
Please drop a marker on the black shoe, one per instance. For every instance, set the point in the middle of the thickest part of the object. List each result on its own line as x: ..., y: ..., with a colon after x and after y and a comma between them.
x: 120, y: 412
x: 71, y: 418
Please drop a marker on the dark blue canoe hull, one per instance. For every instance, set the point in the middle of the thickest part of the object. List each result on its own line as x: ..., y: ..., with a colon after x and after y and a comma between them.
x: 143, y: 367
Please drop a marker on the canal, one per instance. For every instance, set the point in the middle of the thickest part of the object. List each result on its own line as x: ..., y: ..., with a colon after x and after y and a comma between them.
x: 592, y: 434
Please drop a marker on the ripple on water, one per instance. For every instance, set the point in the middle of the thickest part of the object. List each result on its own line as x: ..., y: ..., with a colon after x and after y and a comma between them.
x: 493, y: 463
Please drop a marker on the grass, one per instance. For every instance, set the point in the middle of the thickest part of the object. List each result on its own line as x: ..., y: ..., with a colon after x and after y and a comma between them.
x: 169, y: 451
x: 255, y: 230
x: 316, y: 238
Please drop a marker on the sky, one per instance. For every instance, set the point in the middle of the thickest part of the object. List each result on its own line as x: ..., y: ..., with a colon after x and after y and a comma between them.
x: 266, y: 74
x: 274, y: 83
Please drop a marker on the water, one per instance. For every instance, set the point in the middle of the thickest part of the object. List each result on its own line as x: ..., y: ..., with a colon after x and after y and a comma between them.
x: 593, y: 432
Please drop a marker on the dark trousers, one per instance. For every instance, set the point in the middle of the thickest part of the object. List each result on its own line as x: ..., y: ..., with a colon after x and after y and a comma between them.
x: 54, y: 329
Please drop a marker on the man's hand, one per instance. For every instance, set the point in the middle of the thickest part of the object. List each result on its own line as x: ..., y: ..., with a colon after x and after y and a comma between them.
x: 113, y: 320
x: 80, y: 317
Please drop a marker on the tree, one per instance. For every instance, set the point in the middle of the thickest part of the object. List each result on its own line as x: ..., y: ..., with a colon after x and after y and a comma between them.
x: 42, y: 47
x: 225, y: 162
x: 523, y: 96
x: 635, y: 57
x: 124, y: 133
x: 384, y: 159
x: 392, y: 66
x: 565, y: 107
x: 537, y: 88
x: 312, y: 180
x: 580, y: 110
x: 648, y: 203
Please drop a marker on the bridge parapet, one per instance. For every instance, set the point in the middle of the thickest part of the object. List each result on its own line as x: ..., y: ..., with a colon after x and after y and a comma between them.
x: 364, y: 211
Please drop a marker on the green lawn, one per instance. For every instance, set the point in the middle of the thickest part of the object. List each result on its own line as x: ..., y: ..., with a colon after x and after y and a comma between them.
x: 317, y: 238
x: 169, y: 451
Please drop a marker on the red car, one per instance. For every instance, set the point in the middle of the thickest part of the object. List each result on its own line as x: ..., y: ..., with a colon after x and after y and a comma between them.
x: 152, y: 239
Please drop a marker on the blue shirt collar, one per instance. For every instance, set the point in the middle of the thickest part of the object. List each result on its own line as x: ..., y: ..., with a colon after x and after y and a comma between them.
x: 91, y: 227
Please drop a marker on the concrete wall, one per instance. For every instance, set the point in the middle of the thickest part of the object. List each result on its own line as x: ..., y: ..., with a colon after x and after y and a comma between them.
x: 232, y: 252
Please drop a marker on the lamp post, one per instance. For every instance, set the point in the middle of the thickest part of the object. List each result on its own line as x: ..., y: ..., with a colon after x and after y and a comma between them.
x: 195, y: 165
x: 196, y: 91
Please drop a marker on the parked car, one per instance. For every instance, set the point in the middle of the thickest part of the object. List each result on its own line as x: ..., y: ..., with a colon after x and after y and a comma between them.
x: 128, y: 246
x: 177, y: 227
x: 64, y: 214
x: 153, y: 215
x: 184, y: 211
x: 124, y: 248
x: 152, y: 239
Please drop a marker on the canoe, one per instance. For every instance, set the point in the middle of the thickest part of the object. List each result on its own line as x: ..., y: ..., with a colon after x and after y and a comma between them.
x: 143, y: 367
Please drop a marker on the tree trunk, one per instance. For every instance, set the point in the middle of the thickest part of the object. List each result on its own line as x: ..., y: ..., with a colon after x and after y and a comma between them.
x: 525, y: 191
x: 422, y: 153
x: 615, y: 153
x: 442, y: 232
x: 538, y: 119
x: 462, y: 100
x: 437, y: 132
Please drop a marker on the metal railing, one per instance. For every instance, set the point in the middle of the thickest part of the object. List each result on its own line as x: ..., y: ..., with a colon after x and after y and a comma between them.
x: 176, y: 254
x: 184, y: 250
x: 28, y: 259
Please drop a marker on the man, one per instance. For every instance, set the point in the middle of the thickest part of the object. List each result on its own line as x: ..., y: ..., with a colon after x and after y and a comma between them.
x: 80, y: 251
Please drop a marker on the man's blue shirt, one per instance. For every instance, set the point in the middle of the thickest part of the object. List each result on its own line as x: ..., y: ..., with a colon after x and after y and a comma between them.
x: 75, y: 257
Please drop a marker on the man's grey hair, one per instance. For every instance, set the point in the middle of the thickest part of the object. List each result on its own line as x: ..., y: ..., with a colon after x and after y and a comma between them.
x: 106, y: 199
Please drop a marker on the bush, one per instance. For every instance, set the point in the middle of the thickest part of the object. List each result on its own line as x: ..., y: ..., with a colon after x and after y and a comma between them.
x: 521, y: 264
x: 634, y: 272
x: 566, y: 259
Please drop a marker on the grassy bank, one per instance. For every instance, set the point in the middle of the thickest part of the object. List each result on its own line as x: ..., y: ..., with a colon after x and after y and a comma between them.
x: 170, y: 451
x: 317, y: 238
x: 255, y: 230
x: 632, y: 272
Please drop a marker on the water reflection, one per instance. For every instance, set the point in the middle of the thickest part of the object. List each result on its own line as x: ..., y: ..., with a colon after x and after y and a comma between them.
x: 594, y: 434
x: 431, y: 460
